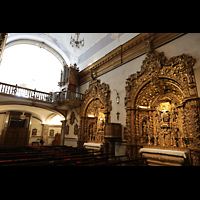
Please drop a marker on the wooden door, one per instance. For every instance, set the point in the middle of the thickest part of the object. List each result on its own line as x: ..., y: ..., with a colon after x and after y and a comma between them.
x: 16, y: 137
x: 22, y: 137
x: 11, y: 137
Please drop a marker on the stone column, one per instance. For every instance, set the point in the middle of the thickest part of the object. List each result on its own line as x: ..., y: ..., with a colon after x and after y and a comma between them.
x: 45, y: 128
x: 63, y: 131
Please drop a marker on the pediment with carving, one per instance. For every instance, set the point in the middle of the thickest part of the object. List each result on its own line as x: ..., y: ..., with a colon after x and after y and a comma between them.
x: 174, y: 74
x: 99, y: 91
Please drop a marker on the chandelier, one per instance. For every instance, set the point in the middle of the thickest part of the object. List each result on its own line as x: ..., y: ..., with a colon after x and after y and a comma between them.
x: 75, y: 42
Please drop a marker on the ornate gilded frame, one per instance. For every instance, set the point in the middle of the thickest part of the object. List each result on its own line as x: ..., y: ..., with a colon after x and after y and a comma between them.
x: 99, y: 94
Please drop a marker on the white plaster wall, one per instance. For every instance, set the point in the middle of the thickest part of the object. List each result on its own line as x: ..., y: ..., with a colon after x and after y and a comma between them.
x: 36, y: 124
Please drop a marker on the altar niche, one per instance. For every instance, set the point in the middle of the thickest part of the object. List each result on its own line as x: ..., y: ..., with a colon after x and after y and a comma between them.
x: 95, y: 113
x: 162, y: 106
x: 95, y: 122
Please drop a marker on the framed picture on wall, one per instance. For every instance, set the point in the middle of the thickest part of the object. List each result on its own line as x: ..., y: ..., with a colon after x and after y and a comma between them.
x: 51, y: 133
x: 34, y: 132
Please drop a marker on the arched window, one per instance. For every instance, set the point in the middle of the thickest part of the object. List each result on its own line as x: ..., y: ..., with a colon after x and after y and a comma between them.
x: 31, y: 67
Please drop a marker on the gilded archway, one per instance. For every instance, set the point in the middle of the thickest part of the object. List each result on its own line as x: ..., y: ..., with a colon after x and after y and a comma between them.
x: 95, y: 113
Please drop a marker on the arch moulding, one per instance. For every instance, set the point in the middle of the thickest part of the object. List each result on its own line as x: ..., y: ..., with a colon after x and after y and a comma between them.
x: 39, y: 44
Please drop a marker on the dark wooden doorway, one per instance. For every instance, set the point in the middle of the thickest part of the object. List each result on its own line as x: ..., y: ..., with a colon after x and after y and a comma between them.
x: 17, y: 133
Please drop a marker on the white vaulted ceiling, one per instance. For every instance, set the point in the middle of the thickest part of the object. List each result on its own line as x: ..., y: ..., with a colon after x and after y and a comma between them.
x: 96, y: 45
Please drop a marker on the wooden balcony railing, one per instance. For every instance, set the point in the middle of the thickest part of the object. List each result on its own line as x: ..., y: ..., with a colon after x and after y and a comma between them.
x: 38, y: 95
x: 67, y: 95
x: 25, y: 92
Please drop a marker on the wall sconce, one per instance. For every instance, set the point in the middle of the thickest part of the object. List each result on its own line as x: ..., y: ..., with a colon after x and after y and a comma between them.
x: 118, y: 97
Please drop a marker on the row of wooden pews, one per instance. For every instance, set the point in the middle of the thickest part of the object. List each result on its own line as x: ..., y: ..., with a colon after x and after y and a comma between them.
x: 61, y: 156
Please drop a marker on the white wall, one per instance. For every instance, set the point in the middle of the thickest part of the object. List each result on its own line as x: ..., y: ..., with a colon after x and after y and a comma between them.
x: 36, y: 124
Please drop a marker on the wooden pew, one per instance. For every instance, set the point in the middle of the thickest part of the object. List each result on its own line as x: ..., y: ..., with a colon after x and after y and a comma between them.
x: 61, y: 156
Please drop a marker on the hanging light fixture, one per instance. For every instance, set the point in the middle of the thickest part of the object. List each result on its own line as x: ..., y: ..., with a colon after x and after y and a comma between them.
x: 74, y: 41
x: 23, y: 116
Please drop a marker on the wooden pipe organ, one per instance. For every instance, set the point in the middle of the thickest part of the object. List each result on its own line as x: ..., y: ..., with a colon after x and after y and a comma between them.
x: 69, y: 78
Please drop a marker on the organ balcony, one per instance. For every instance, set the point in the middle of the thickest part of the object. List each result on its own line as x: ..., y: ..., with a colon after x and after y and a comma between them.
x: 66, y: 99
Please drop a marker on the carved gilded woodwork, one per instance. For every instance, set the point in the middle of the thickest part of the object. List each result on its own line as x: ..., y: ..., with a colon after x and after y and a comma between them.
x: 162, y: 106
x: 76, y: 129
x: 95, y: 113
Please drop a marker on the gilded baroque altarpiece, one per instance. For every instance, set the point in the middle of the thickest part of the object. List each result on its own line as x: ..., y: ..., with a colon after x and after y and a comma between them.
x: 95, y: 112
x: 162, y: 105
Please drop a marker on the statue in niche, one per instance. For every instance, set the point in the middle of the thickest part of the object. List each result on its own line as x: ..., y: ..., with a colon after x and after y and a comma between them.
x: 190, y: 73
x: 91, y: 129
x: 144, y: 131
x: 165, y: 115
x: 101, y: 124
x: 144, y: 127
x: 164, y: 138
x: 76, y: 129
x: 72, y: 118
x: 67, y: 130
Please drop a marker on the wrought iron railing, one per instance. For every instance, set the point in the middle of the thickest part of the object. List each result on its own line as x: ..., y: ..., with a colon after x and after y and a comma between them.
x: 38, y: 95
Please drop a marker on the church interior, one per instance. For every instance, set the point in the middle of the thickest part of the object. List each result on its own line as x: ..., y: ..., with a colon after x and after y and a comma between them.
x: 123, y: 99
